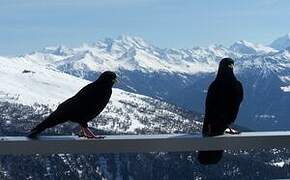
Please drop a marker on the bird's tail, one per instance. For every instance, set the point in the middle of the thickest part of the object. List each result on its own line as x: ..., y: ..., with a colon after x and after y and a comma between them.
x: 49, y: 122
x: 209, y: 157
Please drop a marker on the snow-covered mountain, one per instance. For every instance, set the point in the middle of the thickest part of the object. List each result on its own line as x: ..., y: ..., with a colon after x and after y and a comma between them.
x: 135, y: 54
x: 245, y: 47
x: 181, y: 76
x: 132, y: 54
x: 26, y: 82
x: 281, y: 43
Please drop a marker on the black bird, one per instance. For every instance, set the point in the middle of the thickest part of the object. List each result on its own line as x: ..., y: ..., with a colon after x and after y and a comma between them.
x: 82, y: 107
x: 223, y: 100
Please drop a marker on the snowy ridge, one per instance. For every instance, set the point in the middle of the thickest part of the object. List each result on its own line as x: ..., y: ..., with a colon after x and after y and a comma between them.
x: 246, y: 47
x: 132, y: 53
x: 135, y: 54
x: 281, y: 43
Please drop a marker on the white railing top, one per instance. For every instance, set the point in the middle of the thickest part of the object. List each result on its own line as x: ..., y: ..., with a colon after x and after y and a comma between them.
x: 17, y: 145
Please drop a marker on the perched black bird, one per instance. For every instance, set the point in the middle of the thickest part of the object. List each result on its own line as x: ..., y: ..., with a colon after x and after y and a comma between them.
x: 223, y: 100
x: 82, y: 107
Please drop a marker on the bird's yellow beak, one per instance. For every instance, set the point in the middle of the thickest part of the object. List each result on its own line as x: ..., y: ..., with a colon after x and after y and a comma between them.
x: 115, y: 80
x: 231, y: 66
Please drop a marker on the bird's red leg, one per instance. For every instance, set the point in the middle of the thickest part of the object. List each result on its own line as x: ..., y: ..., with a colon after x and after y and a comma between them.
x: 89, y: 134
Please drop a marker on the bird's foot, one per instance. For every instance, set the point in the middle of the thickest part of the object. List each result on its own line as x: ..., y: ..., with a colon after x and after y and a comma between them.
x: 230, y: 130
x: 85, y: 132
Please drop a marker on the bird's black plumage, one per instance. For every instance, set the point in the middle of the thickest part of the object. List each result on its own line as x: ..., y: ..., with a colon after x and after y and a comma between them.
x: 82, y: 107
x: 223, y: 100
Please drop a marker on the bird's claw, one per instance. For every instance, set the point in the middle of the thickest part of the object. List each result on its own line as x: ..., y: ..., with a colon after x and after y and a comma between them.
x: 90, y: 135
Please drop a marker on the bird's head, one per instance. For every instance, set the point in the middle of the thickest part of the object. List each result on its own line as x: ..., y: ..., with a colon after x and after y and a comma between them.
x: 108, y: 77
x: 226, y: 69
x: 227, y: 63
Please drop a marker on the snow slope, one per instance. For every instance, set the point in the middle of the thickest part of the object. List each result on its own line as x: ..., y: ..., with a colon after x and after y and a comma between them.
x: 26, y: 82
x: 40, y: 84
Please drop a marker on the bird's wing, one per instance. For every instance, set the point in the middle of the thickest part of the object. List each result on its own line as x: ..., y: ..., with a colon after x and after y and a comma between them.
x: 210, y: 102
x: 72, y: 106
x: 238, y: 98
x: 240, y: 91
x: 214, y: 111
x: 85, y: 91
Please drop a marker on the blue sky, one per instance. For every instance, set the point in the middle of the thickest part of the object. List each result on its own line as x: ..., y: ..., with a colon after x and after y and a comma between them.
x: 29, y: 25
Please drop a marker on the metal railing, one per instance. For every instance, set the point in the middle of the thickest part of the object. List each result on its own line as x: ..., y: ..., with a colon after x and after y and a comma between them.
x: 17, y: 145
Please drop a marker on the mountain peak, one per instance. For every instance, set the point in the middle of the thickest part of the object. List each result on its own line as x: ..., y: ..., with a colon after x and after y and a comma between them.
x: 132, y: 41
x: 246, y: 47
x: 124, y: 43
x: 281, y: 43
x: 243, y: 47
x: 59, y: 50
